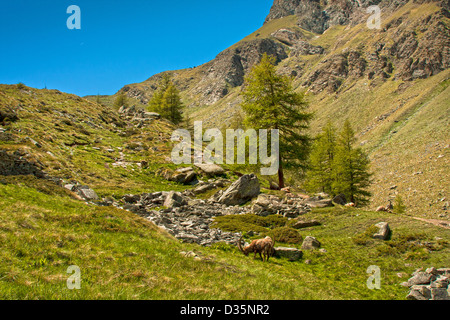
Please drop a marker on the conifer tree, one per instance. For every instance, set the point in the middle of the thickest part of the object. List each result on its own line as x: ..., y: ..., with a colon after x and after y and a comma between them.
x: 121, y: 101
x: 270, y: 102
x: 171, y: 105
x: 351, y: 168
x: 321, y: 161
x: 166, y: 101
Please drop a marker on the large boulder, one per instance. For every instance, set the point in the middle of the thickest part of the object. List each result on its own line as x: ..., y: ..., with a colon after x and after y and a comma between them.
x: 184, y: 176
x: 299, y: 223
x: 340, y: 199
x: 211, y: 169
x: 292, y: 254
x: 241, y: 191
x: 174, y: 199
x: 310, y: 243
x: 319, y: 201
x: 419, y: 278
x: 383, y: 231
x: 86, y: 193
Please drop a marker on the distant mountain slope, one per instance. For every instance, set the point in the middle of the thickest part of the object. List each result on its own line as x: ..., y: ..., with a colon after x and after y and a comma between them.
x: 388, y: 82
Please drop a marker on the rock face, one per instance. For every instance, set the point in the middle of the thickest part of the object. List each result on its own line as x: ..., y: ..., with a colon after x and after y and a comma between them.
x: 313, y: 15
x: 19, y: 163
x: 432, y: 284
x: 229, y: 68
x: 241, y: 191
x: 406, y: 50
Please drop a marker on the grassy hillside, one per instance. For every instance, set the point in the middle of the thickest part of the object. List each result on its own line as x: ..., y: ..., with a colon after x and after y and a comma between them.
x: 402, y: 124
x: 123, y: 256
x: 78, y: 139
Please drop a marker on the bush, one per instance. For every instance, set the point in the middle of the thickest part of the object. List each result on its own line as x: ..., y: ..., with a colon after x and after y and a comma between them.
x: 399, y: 206
x: 286, y: 235
x: 366, y: 237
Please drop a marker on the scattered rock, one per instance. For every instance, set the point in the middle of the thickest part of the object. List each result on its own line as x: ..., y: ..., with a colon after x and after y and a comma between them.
x: 175, y: 199
x: 292, y: 254
x: 86, y: 193
x: 211, y: 169
x: 310, y: 243
x: 188, y: 220
x: 266, y: 205
x: 340, y: 199
x: 241, y: 191
x: 313, y: 202
x: 299, y: 224
x: 383, y: 231
x: 432, y: 284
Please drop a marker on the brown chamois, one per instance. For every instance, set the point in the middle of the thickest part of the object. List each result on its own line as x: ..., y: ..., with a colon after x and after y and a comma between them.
x: 387, y: 208
x: 262, y: 246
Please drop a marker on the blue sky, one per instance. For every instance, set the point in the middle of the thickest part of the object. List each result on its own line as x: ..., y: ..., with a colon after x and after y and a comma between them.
x: 120, y: 42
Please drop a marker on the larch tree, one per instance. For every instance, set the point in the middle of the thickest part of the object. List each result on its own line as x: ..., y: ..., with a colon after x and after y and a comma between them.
x: 121, y: 100
x: 166, y: 101
x: 320, y: 174
x: 270, y: 102
x: 351, y: 168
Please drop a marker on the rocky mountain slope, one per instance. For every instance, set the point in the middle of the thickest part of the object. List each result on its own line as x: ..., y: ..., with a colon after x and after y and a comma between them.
x: 391, y: 83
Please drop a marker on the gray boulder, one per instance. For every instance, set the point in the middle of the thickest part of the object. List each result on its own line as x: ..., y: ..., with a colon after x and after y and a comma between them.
x: 292, y: 254
x: 174, y: 200
x: 319, y: 203
x: 383, y: 231
x: 419, y: 293
x: 419, y: 278
x: 439, y: 294
x: 299, y: 224
x: 310, y: 243
x: 241, y: 191
x: 86, y: 193
x: 211, y: 169
x: 340, y: 199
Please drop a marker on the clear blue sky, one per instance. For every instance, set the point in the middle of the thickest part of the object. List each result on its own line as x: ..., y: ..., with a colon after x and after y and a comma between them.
x: 120, y: 42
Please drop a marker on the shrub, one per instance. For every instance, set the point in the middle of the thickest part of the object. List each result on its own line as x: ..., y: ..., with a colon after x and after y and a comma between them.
x: 286, y: 235
x: 365, y: 237
x: 399, y: 206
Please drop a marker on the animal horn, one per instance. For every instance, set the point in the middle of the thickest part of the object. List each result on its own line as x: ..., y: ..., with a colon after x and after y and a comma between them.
x: 239, y: 244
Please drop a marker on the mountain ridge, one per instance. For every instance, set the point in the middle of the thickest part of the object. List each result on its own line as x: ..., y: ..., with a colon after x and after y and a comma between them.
x: 373, y: 77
